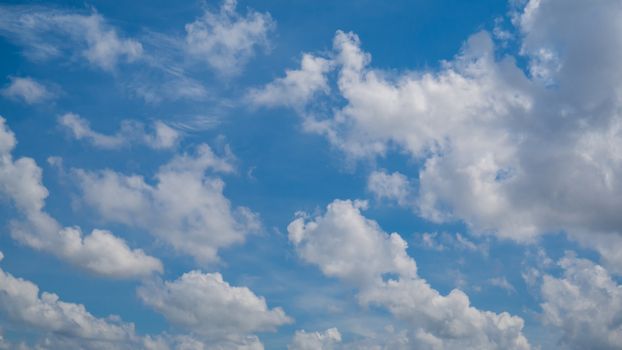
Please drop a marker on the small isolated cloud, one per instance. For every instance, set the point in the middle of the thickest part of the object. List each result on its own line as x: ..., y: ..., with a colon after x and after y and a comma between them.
x: 395, y: 186
x: 225, y: 39
x: 46, y: 33
x: 161, y: 136
x: 502, y: 282
x: 209, y: 307
x: 27, y: 90
x: 315, y: 340
x: 100, y: 252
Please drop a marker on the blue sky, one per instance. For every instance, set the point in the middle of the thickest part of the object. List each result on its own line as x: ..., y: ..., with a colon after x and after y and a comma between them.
x: 310, y: 175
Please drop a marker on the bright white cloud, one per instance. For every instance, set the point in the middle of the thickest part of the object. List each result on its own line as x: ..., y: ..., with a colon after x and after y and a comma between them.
x: 205, y: 305
x: 185, y: 207
x: 327, y: 242
x: 585, y: 304
x: 297, y: 87
x: 315, y: 340
x: 501, y: 150
x: 226, y: 40
x: 56, y: 324
x: 46, y: 32
x: 26, y: 89
x: 161, y: 137
x: 63, y: 323
x: 345, y: 244
x: 99, y: 252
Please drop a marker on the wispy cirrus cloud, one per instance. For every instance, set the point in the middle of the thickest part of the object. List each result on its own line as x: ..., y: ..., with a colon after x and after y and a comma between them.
x: 161, y: 136
x: 46, y: 33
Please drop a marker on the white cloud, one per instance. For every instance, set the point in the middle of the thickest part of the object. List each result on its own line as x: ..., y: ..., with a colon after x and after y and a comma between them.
x: 226, y: 40
x: 162, y: 136
x: 501, y: 150
x: 297, y: 87
x: 69, y: 324
x: 345, y: 244
x: 327, y: 242
x: 393, y: 186
x: 46, y: 32
x: 585, y: 304
x: 185, y: 207
x: 205, y: 305
x: 315, y: 340
x: 56, y: 324
x: 99, y: 252
x: 26, y: 89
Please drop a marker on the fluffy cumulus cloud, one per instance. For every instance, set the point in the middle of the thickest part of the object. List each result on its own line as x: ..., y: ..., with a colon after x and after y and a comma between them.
x: 511, y: 153
x: 207, y: 306
x: 297, y: 87
x: 346, y: 245
x: 27, y: 90
x: 315, y: 340
x: 225, y: 39
x: 161, y: 137
x: 585, y: 303
x: 56, y: 324
x: 61, y: 324
x: 46, y: 33
x: 185, y: 207
x: 99, y: 252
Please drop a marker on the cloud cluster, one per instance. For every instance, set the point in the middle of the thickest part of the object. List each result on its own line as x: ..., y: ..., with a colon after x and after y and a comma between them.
x: 185, y: 207
x: 346, y: 245
x: 510, y: 153
x: 214, y: 315
x: 49, y: 33
x: 163, y: 136
x: 99, y: 252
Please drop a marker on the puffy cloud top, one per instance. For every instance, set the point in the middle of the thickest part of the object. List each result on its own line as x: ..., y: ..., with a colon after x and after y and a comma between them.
x: 207, y: 305
x: 345, y: 244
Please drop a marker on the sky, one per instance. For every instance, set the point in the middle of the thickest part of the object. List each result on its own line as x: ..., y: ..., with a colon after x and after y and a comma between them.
x: 298, y: 175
